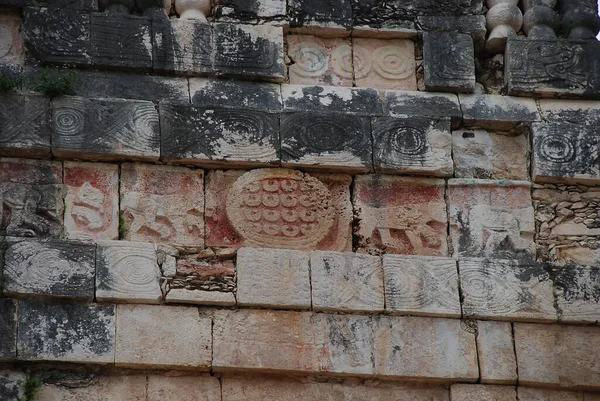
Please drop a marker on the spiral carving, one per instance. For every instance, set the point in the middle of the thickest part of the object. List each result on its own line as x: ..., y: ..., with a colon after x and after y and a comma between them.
x: 310, y: 59
x: 558, y: 148
x: 341, y: 61
x: 362, y: 62
x: 69, y: 117
x: 402, y: 138
x: 504, y: 20
x: 389, y: 63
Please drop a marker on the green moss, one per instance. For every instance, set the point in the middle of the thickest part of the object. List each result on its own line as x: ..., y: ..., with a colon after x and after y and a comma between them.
x: 54, y: 83
x: 31, y: 388
x: 9, y: 84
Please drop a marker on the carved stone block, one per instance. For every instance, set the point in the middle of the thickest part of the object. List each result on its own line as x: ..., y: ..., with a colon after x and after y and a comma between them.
x: 412, y: 145
x: 498, y: 113
x: 54, y: 268
x: 426, y: 286
x: 162, y: 204
x: 200, y: 135
x: 25, y: 126
x: 357, y: 280
x: 66, y: 332
x: 121, y: 40
x: 320, y: 61
x: 449, y: 62
x: 566, y: 152
x: 249, y: 51
x: 127, y: 271
x: 384, y: 64
x: 92, y: 200
x: 235, y: 94
x: 359, y: 101
x: 419, y: 104
x: 273, y: 278
x: 332, y: 141
x: 506, y: 289
x: 102, y: 129
x: 577, y: 290
x: 323, y: 17
x: 278, y: 208
x: 11, y: 44
x: 400, y: 215
x: 553, y: 67
x: 496, y: 350
x: 491, y: 218
x: 8, y: 330
x: 474, y: 392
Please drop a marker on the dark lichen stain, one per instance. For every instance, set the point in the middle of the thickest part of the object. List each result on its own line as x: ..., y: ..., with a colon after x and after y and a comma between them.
x: 567, y: 280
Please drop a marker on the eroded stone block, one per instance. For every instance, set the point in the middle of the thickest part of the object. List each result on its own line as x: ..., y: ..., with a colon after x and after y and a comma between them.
x: 495, y: 345
x: 409, y: 104
x: 11, y: 45
x: 324, y: 17
x: 449, y: 62
x: 235, y: 94
x: 24, y: 126
x: 201, y: 388
x: 401, y: 215
x: 384, y: 64
x: 320, y: 61
x: 538, y: 394
x: 114, y: 388
x: 577, y: 290
x: 496, y: 112
x: 8, y: 332
x: 476, y: 392
x: 200, y: 297
x: 359, y: 101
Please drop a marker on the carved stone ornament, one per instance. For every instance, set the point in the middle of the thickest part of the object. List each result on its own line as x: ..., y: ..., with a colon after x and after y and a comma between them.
x: 193, y: 9
x: 504, y: 20
x: 540, y: 20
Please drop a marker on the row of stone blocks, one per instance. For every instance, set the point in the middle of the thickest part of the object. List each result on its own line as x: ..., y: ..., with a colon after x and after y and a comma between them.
x: 401, y: 347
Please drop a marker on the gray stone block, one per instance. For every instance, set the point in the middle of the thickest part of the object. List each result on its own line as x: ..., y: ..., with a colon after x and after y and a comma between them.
x: 359, y: 101
x: 332, y: 14
x: 474, y: 25
x: 235, y: 94
x: 49, y: 268
x: 8, y: 330
x: 202, y: 135
x: 553, y: 67
x: 449, y: 62
x: 251, y: 10
x: 68, y: 332
x: 577, y: 291
x: 120, y: 40
x: 25, y: 126
x: 333, y: 141
x: 416, y: 104
x: 82, y: 5
x: 12, y: 383
x: 499, y: 113
x: 105, y: 129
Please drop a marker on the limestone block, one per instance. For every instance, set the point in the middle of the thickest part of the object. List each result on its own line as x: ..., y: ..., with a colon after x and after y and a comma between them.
x: 409, y: 104
x: 424, y: 348
x: 162, y: 204
x: 235, y: 94
x: 103, y: 129
x: 394, y: 29
x: 566, y: 152
x: 92, y: 200
x: 201, y: 135
x: 572, y: 111
x: 11, y: 384
x: 495, y: 345
x: 50, y: 268
x: 24, y: 126
x: 274, y: 278
x: 416, y: 285
x: 278, y: 208
x: 319, y: 61
x: 538, y: 394
x: 325, y: 18
x: 11, y: 45
x: 65, y: 38
x: 449, y: 62
x: 476, y: 392
x: 577, y: 290
x: 348, y: 282
x: 121, y: 40
x: 531, y: 67
x: 8, y: 331
x: 326, y: 141
x: 181, y: 339
x: 567, y: 356
x: 401, y: 215
x: 359, y: 101
x: 200, y: 297
x: 491, y: 218
x: 67, y: 332
x: 499, y: 113
x: 487, y: 155
x: 127, y: 271
x: 249, y: 51
x: 384, y: 64
x: 113, y: 388
x: 191, y: 388
x: 285, y: 341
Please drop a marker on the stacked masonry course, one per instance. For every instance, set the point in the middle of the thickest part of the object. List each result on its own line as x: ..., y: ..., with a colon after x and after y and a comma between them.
x: 302, y: 199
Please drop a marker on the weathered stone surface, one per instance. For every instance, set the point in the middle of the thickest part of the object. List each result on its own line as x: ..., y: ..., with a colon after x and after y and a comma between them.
x: 211, y: 135
x: 495, y: 346
x: 567, y: 356
x: 322, y: 17
x: 249, y: 51
x: 274, y: 278
x: 491, y: 218
x: 11, y: 384
x: 449, y: 62
x: 577, y: 290
x: 200, y: 297
x: 162, y: 204
x: 412, y: 145
x: 278, y: 208
x: 127, y: 271
x: 292, y: 341
x: 68, y: 332
x: 424, y: 348
x: 571, y: 111
x: 8, y: 331
x: 495, y: 112
x: 11, y: 45
x: 82, y: 5
x: 24, y: 126
x: 487, y: 155
x: 182, y: 339
x: 235, y: 94
x: 251, y: 10
x: 332, y: 141
x: 416, y: 104
x: 401, y: 215
x: 192, y: 388
x: 397, y: 29
x: 359, y: 101
x: 551, y: 67
x: 216, y: 274
x: 470, y: 24
x: 113, y: 388
x: 121, y: 40
x: 426, y: 286
x: 92, y: 200
x: 477, y: 392
x: 357, y: 280
x: 384, y: 64
x: 55, y: 268
x: 538, y: 394
x: 320, y: 61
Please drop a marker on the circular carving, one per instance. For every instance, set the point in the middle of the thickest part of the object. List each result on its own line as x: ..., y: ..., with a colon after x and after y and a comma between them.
x: 280, y: 208
x: 69, y: 121
x: 341, y: 61
x: 557, y: 148
x: 131, y: 269
x: 389, y: 63
x: 362, y: 62
x: 408, y: 141
x: 310, y: 59
x: 39, y: 266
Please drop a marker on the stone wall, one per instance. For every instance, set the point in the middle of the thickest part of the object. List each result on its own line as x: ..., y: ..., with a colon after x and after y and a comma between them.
x: 292, y: 200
